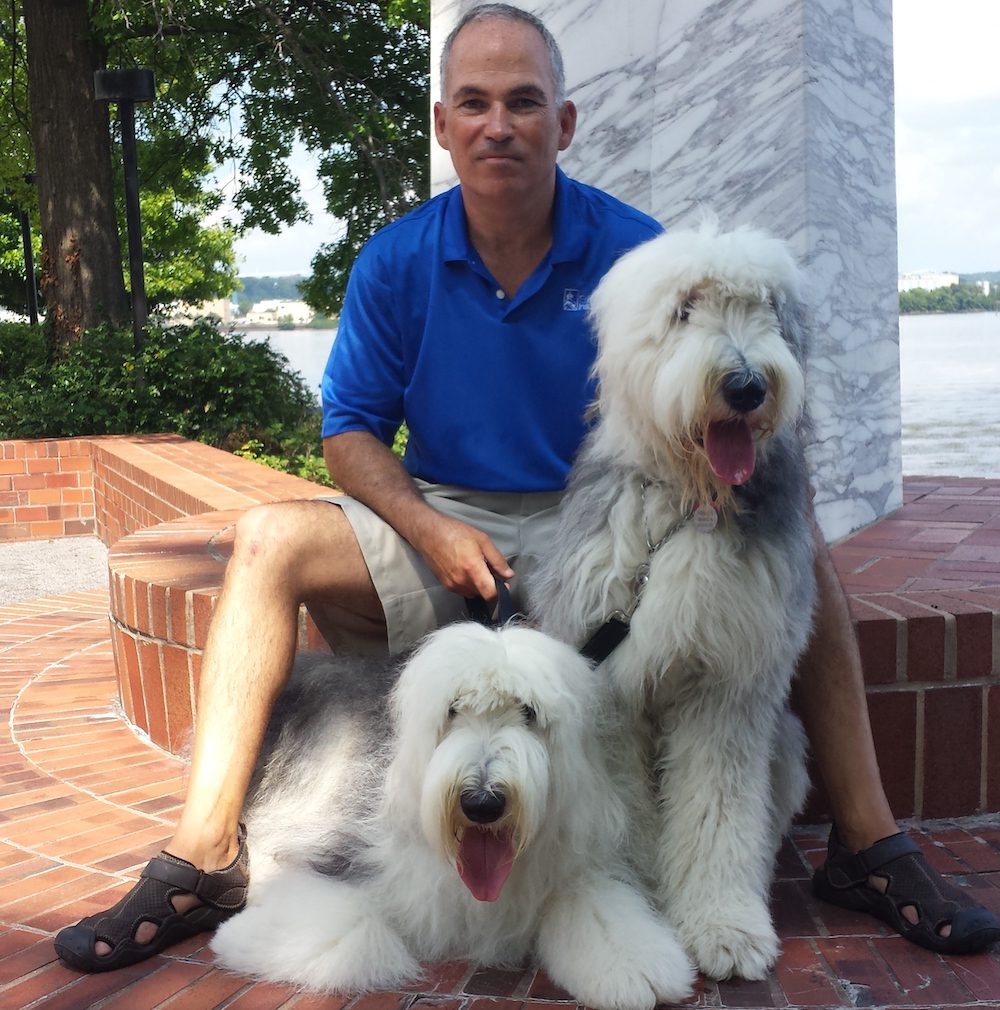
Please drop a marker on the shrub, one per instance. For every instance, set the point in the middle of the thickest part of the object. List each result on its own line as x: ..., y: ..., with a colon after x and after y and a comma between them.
x: 298, y: 452
x: 22, y: 346
x: 194, y: 380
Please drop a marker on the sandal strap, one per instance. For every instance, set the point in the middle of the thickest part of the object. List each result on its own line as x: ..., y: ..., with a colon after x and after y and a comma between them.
x: 848, y: 869
x: 225, y: 888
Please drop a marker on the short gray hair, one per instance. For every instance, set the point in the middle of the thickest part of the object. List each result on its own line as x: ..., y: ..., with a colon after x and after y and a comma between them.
x: 508, y: 12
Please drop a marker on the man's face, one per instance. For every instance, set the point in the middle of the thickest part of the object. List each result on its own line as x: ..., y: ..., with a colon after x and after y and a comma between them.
x: 498, y: 117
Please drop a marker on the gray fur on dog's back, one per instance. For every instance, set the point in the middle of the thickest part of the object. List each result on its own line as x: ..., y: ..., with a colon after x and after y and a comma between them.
x: 322, y: 764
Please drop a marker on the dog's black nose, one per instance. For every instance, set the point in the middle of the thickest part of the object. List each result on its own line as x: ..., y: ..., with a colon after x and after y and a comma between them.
x: 744, y: 390
x: 482, y: 807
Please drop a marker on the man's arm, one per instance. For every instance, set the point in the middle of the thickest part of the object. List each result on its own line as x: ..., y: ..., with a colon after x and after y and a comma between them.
x: 462, y: 557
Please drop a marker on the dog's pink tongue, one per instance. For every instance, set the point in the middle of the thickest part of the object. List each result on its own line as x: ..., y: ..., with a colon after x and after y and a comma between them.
x: 730, y: 449
x: 484, y: 862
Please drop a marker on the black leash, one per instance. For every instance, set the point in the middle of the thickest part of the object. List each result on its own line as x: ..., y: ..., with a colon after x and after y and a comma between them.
x: 598, y: 647
x: 493, y: 615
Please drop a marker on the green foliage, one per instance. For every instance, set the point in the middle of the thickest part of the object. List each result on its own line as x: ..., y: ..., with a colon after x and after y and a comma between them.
x: 957, y: 298
x: 15, y: 142
x: 187, y: 260
x: 22, y: 347
x: 297, y: 453
x: 16, y: 193
x: 13, y: 292
x: 346, y: 78
x: 993, y: 276
x: 198, y: 381
x: 238, y: 84
x: 257, y: 289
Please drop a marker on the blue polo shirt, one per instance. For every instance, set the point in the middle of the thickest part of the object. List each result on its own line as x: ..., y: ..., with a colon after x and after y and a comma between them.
x: 493, y: 389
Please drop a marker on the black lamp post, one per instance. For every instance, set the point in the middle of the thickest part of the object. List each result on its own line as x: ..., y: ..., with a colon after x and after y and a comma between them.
x: 126, y: 87
x: 29, y: 260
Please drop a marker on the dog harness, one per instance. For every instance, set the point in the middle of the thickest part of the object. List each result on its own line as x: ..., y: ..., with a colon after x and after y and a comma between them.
x: 614, y: 630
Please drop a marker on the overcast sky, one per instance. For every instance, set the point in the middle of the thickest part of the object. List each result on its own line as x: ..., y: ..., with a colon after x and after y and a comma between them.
x: 947, y: 149
x: 948, y: 134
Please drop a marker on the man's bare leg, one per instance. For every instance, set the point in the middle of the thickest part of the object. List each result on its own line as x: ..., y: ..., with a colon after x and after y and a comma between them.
x: 283, y: 555
x: 829, y: 696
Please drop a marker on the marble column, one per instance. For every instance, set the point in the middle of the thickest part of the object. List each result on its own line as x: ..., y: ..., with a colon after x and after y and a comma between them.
x: 777, y: 113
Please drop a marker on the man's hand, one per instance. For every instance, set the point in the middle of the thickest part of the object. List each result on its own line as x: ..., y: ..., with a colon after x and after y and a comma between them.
x: 462, y: 557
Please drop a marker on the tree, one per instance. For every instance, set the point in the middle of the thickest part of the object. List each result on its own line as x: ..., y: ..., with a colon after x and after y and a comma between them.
x: 69, y: 135
x: 237, y: 84
x: 956, y: 298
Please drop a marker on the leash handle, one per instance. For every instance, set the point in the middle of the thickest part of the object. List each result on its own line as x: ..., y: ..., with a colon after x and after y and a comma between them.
x: 497, y: 614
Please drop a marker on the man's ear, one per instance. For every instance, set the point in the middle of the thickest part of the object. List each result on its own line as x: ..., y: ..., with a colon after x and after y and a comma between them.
x: 567, y: 124
x: 439, y: 120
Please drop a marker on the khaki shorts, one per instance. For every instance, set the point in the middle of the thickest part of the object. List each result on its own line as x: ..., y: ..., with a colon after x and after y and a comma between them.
x: 415, y: 603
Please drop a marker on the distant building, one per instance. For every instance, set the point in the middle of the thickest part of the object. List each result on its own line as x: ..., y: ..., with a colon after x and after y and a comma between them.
x: 984, y: 286
x: 927, y: 279
x: 273, y: 311
x: 183, y: 313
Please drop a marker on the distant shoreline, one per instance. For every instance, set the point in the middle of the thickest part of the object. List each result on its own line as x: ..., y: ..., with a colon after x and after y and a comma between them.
x: 953, y: 312
x: 257, y: 327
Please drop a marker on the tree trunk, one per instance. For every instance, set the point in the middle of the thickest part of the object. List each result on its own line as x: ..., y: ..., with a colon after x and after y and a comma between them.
x: 81, y: 270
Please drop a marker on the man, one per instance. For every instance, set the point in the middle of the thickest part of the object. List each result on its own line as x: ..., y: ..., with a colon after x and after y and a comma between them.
x: 463, y: 318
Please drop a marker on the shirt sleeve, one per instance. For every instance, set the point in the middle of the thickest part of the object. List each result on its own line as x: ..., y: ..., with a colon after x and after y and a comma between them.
x: 363, y: 384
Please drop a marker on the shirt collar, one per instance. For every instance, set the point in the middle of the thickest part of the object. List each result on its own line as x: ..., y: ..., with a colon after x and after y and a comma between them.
x: 568, y: 233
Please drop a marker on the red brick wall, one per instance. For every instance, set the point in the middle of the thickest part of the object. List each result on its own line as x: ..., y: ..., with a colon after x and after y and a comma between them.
x: 46, y: 489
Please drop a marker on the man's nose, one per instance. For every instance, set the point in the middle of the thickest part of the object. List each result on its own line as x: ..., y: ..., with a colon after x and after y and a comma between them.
x: 498, y: 122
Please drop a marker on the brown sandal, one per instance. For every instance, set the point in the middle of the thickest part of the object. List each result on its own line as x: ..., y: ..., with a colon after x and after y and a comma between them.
x: 222, y: 894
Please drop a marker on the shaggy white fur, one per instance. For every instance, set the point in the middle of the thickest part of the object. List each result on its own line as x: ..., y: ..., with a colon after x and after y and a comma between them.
x: 689, y: 505
x: 484, y: 824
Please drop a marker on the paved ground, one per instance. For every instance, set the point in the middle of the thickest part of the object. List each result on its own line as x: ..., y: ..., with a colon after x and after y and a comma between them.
x: 32, y: 569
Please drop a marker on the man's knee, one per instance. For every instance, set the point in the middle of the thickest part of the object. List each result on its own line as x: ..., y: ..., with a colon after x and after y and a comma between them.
x: 285, y: 534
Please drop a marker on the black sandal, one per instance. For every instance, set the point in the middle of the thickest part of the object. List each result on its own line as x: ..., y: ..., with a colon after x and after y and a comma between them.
x: 222, y: 893
x: 910, y: 883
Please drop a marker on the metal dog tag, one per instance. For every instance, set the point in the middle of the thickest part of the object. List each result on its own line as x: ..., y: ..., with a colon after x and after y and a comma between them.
x: 705, y: 519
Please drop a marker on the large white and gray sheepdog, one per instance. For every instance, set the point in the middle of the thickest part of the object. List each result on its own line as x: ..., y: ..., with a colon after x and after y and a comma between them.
x: 463, y: 811
x: 687, y: 529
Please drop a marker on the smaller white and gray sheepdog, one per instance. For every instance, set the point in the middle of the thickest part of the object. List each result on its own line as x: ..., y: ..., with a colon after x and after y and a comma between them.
x: 464, y: 811
x: 687, y: 523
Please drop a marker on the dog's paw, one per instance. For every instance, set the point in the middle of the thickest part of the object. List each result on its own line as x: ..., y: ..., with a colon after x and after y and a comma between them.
x: 661, y: 973
x: 727, y: 944
x: 613, y: 952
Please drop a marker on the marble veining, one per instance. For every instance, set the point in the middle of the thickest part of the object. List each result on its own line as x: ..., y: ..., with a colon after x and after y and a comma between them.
x: 772, y: 112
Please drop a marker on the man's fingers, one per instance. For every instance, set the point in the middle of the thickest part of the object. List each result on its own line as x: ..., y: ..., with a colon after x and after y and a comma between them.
x: 496, y: 561
x: 485, y: 584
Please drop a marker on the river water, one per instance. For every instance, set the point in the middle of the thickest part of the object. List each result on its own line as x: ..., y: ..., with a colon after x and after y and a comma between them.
x: 949, y: 373
x: 949, y: 378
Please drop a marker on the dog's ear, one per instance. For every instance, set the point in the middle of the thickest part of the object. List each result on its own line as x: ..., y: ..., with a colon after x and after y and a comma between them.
x: 594, y: 813
x: 795, y: 332
x: 792, y: 322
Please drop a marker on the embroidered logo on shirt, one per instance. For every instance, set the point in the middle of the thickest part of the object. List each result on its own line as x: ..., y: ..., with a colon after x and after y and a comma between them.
x: 575, y: 301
